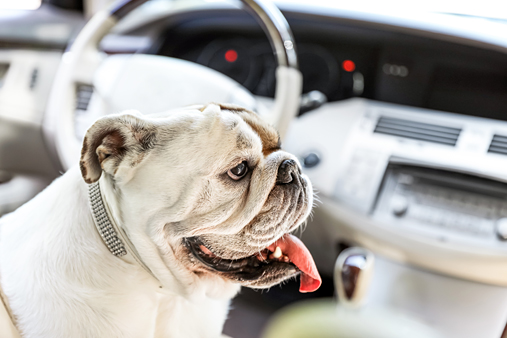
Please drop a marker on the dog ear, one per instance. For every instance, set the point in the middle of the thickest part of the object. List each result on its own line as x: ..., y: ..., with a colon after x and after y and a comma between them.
x: 113, y: 140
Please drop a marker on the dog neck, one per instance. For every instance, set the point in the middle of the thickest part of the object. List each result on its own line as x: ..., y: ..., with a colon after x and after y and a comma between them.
x: 113, y: 236
x: 168, y: 274
x: 108, y: 221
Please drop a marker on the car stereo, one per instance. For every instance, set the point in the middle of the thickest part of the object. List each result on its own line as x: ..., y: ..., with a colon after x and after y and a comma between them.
x: 450, y: 203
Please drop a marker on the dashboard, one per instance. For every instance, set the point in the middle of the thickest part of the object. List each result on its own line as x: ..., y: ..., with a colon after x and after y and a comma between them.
x: 344, y: 60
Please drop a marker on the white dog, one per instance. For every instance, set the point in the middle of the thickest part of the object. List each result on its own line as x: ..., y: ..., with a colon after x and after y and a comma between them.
x: 173, y: 215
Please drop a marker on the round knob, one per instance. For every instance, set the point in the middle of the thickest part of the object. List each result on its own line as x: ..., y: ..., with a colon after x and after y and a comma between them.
x: 399, y: 205
x: 311, y: 160
x: 501, y: 228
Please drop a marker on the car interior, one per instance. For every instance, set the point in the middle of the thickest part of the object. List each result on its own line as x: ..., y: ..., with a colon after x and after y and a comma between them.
x: 400, y: 122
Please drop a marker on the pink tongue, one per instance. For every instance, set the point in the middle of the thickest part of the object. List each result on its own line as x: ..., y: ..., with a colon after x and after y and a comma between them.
x: 302, y: 258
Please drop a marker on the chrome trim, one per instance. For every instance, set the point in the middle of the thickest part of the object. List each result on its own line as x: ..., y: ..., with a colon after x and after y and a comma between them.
x: 123, y: 7
x: 277, y: 28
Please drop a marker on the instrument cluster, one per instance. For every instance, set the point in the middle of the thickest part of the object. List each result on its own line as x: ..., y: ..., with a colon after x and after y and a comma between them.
x: 250, y: 61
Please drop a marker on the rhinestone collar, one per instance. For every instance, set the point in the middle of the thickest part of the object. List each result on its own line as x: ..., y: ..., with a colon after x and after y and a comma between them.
x: 113, y: 236
x: 103, y: 224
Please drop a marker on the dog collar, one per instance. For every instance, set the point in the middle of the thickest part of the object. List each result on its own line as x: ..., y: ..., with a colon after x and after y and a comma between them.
x: 113, y: 236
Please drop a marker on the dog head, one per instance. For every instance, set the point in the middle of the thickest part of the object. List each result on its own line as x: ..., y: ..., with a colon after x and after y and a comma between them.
x: 211, y: 188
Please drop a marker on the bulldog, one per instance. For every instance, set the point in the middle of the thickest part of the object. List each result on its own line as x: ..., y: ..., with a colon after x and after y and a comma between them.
x: 157, y: 229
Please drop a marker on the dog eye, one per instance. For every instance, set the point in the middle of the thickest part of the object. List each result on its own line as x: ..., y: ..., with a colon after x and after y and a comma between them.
x: 239, y: 171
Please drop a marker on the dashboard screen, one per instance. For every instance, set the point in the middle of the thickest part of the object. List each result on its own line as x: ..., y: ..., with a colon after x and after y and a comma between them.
x: 475, y: 93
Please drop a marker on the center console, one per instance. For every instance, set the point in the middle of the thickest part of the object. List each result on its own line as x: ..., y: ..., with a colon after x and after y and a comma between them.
x: 426, y: 191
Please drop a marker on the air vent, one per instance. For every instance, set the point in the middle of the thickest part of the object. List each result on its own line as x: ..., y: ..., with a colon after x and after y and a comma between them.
x: 498, y: 145
x: 418, y: 131
x: 83, y: 96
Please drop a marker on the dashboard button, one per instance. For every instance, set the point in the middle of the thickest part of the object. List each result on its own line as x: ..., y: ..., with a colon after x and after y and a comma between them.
x: 311, y: 160
x: 399, y: 205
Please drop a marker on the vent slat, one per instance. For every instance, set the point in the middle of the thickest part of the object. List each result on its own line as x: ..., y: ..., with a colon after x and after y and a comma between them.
x: 499, y: 138
x: 499, y: 141
x: 498, y: 150
x: 83, y: 96
x: 498, y: 145
x: 418, y: 131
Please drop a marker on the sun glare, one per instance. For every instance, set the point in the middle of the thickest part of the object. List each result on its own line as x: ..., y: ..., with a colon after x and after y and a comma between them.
x: 20, y: 4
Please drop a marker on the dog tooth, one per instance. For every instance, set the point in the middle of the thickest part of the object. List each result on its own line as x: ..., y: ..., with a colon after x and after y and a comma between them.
x: 205, y: 250
x: 277, y: 253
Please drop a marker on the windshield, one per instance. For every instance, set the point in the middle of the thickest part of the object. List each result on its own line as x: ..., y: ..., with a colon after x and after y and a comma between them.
x: 491, y: 9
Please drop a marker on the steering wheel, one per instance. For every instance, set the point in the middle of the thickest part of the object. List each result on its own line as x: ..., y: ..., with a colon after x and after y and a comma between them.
x: 153, y: 83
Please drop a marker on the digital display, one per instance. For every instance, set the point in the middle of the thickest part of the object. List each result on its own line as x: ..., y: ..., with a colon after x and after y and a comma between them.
x: 468, y: 92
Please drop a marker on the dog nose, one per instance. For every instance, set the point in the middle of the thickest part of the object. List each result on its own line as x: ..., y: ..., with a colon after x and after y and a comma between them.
x: 287, y: 172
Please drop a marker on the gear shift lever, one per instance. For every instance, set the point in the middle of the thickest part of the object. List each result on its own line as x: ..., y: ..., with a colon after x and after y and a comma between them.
x: 352, y: 276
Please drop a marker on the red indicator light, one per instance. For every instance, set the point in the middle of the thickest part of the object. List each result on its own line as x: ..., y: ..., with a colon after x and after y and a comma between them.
x: 231, y: 55
x: 348, y: 66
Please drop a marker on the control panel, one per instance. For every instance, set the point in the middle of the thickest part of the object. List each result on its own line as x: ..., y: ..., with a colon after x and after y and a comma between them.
x: 444, y: 203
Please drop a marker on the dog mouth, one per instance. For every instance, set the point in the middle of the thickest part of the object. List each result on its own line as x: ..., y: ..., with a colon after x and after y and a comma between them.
x: 283, y: 259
